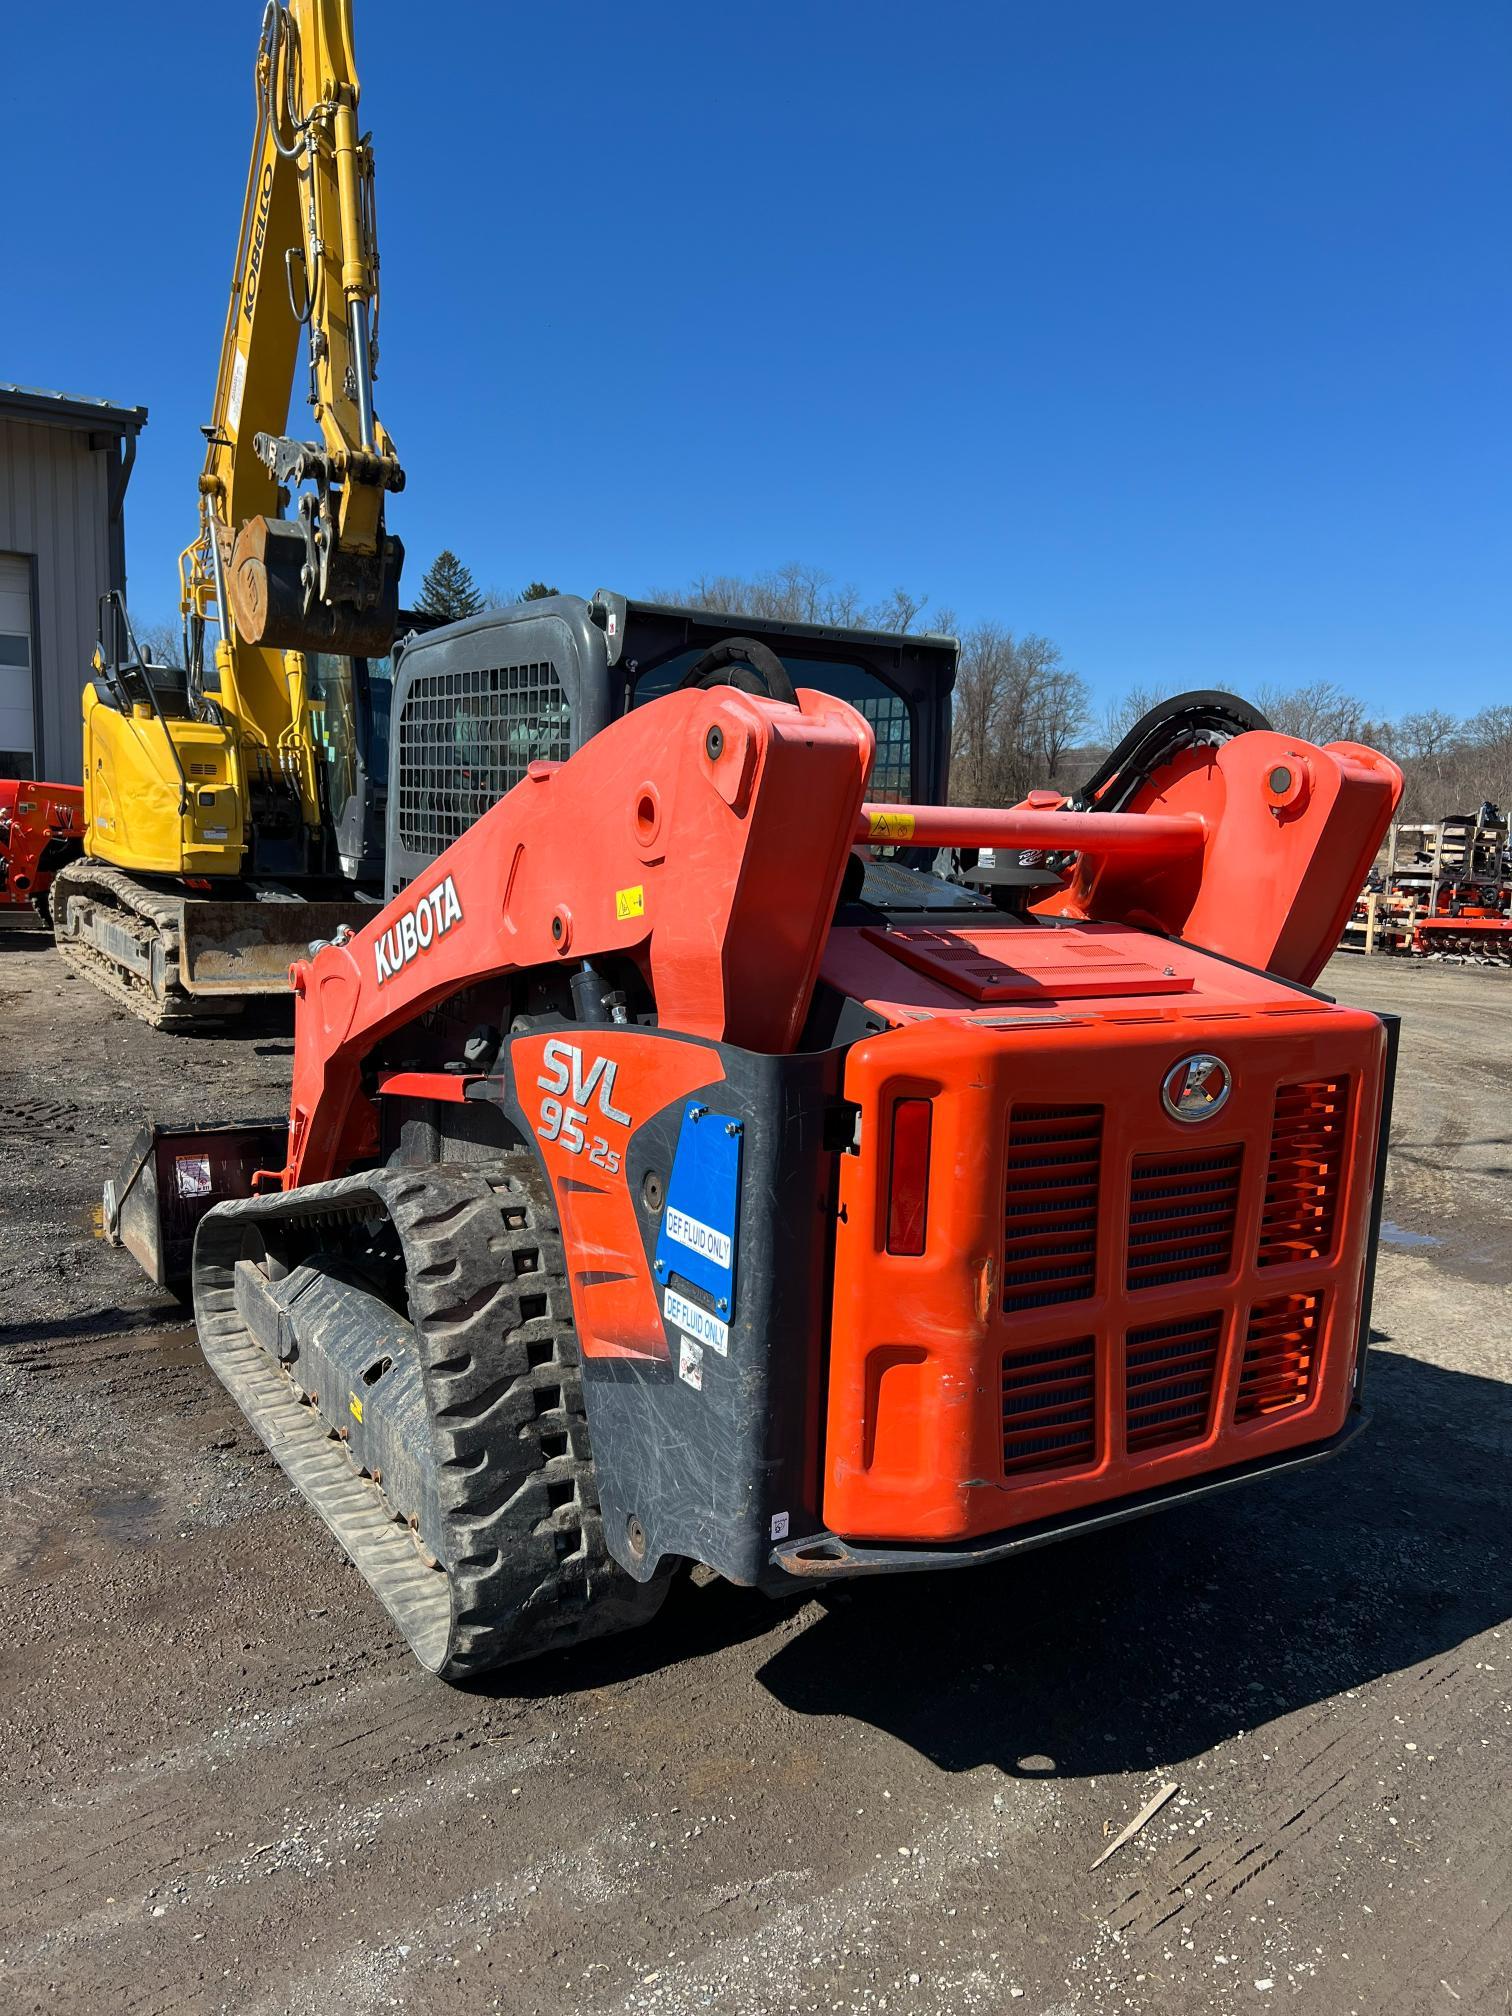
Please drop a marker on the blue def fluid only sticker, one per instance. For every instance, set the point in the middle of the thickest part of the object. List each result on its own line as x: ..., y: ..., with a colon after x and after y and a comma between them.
x: 699, y: 1229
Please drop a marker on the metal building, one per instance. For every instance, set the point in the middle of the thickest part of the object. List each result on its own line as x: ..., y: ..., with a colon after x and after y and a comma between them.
x: 64, y: 467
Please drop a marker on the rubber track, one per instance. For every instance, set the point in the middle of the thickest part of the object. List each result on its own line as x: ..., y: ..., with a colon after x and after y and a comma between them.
x: 524, y: 1566
x: 99, y: 883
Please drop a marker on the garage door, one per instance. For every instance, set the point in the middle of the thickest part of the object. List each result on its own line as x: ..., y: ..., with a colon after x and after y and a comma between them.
x: 17, y: 730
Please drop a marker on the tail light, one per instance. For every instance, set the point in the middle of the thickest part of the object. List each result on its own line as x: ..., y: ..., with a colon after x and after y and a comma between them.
x: 908, y: 1178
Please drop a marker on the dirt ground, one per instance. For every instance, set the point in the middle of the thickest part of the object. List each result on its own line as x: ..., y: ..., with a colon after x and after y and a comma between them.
x: 225, y: 1785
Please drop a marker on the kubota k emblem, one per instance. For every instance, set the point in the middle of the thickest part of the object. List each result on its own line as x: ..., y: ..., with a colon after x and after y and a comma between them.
x: 1195, y: 1088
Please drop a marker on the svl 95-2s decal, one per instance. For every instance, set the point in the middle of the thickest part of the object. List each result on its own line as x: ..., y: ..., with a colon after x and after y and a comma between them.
x: 566, y: 1079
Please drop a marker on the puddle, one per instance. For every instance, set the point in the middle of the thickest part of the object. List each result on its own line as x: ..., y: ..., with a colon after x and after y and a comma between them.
x: 64, y: 1544
x: 1397, y: 1235
x: 179, y: 1344
x: 127, y: 1517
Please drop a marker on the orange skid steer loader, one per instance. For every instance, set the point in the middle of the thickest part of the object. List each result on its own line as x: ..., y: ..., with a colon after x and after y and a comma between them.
x: 672, y: 1176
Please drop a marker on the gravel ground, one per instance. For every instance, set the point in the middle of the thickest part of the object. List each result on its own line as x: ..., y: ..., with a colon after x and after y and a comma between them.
x: 225, y: 1786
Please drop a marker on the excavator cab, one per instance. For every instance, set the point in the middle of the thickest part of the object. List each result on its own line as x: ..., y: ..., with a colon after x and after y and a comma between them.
x: 349, y: 716
x: 476, y: 703
x: 160, y: 764
x: 351, y: 704
x: 191, y: 768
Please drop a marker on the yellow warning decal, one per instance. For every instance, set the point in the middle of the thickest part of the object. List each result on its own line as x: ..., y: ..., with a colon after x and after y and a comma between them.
x: 892, y: 825
x: 630, y: 903
x: 354, y: 1406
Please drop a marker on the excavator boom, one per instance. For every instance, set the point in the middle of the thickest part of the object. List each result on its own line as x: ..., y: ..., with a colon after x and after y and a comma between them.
x: 307, y: 261
x: 211, y: 853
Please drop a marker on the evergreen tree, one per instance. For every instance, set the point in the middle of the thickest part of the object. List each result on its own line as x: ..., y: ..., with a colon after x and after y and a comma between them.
x: 447, y: 591
x: 537, y: 592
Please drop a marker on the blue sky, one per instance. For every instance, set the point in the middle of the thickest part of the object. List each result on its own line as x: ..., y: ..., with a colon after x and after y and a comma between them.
x: 1177, y: 332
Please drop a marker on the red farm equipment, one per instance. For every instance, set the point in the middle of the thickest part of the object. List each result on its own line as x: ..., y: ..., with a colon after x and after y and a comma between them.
x: 41, y: 830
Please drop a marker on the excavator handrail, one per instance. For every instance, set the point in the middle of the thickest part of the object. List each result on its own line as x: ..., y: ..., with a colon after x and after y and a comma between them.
x: 116, y: 601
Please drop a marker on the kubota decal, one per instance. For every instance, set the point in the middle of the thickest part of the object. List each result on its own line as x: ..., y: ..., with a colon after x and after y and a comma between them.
x: 428, y: 919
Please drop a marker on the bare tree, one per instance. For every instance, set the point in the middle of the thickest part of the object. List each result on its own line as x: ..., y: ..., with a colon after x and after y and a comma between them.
x: 1492, y: 729
x: 982, y: 695
x: 1018, y: 710
x: 161, y: 642
x: 1448, y: 765
x: 1318, y: 712
x: 1056, y: 705
x: 795, y: 594
x: 1430, y: 734
x: 1119, y: 716
x: 898, y: 611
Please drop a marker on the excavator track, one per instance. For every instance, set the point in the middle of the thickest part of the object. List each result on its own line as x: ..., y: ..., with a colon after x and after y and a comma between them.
x: 509, y: 1559
x: 152, y: 922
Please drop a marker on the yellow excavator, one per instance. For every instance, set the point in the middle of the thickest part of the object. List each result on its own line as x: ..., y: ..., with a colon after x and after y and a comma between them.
x: 233, y: 810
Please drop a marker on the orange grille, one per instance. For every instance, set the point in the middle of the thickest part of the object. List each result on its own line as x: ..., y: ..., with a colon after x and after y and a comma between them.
x: 1280, y: 1354
x: 1050, y: 1205
x: 1181, y: 1216
x: 1302, y: 1182
x: 1168, y: 1381
x: 1050, y: 1407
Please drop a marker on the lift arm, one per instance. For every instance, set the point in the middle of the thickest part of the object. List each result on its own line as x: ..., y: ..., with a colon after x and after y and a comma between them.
x: 704, y: 837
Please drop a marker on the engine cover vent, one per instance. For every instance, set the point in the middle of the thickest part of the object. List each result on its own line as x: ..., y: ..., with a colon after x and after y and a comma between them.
x: 1050, y: 1205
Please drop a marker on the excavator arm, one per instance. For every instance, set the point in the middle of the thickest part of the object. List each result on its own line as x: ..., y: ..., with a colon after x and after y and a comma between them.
x: 221, y: 782
x: 325, y: 577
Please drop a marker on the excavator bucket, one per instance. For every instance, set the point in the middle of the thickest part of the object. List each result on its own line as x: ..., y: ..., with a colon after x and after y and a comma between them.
x: 170, y: 1179
x: 358, y: 615
x: 235, y: 949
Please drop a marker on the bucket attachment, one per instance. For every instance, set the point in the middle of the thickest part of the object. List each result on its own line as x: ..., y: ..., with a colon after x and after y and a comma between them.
x: 239, y: 948
x: 269, y: 600
x: 172, y: 1176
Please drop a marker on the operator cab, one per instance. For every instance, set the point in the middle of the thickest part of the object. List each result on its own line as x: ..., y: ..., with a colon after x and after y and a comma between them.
x: 477, y: 702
